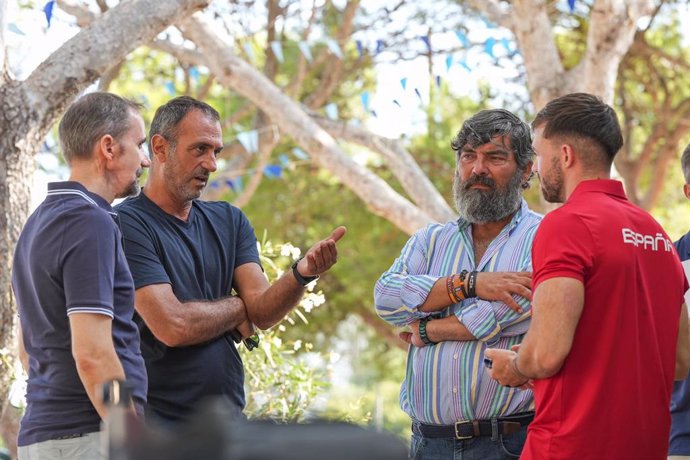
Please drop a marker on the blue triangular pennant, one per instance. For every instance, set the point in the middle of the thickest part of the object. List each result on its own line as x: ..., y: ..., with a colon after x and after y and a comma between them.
x: 300, y: 154
x: 277, y: 49
x: 273, y: 171
x: 12, y: 27
x: 360, y: 48
x: 48, y: 10
x: 365, y: 100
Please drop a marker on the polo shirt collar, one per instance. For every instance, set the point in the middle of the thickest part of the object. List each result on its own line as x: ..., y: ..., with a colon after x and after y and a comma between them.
x: 75, y: 189
x: 608, y: 186
x: 514, y: 222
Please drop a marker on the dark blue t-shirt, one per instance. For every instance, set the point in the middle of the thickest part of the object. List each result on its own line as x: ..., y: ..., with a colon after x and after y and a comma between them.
x: 680, y: 400
x: 197, y: 258
x: 69, y: 260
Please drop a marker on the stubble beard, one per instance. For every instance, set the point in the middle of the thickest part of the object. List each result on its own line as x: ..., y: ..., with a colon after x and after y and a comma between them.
x: 552, y: 185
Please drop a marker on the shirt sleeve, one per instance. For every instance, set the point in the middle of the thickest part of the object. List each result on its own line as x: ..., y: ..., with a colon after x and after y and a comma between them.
x: 140, y: 249
x: 562, y: 248
x: 405, y: 286
x: 247, y: 250
x: 88, y: 262
x: 488, y: 321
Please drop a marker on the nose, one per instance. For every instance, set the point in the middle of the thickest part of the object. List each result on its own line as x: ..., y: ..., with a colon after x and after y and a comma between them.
x: 210, y: 162
x: 479, y: 167
x: 145, y: 161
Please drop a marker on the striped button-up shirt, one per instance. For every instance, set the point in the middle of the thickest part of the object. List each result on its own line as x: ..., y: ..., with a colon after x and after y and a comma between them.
x: 447, y: 382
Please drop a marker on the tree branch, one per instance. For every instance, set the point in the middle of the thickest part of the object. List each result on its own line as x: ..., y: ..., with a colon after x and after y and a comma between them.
x: 74, y: 65
x: 333, y: 69
x: 494, y: 12
x: 288, y: 115
x: 612, y: 27
x: 403, y: 165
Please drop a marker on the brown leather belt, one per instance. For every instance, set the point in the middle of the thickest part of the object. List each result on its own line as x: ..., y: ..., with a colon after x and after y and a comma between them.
x: 474, y: 428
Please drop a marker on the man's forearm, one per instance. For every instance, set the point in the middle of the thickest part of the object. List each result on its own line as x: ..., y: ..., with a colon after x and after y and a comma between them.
x: 95, y: 369
x: 448, y: 329
x: 269, y: 308
x: 205, y: 321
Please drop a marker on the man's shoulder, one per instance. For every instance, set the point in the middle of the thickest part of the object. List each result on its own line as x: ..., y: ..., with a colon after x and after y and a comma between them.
x: 683, y: 246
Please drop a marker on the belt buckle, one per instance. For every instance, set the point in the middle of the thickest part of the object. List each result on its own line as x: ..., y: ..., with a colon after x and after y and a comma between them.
x: 457, y: 433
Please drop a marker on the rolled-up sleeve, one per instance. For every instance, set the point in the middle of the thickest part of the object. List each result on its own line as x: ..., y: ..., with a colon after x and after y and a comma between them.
x: 405, y: 286
x: 488, y: 321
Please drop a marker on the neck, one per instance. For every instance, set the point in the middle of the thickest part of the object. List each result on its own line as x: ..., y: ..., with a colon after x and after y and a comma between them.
x: 156, y: 191
x: 571, y: 185
x: 93, y: 180
x: 489, y: 230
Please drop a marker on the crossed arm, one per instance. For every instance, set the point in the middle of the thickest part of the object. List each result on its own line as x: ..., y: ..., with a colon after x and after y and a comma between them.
x: 258, y: 303
x: 491, y: 286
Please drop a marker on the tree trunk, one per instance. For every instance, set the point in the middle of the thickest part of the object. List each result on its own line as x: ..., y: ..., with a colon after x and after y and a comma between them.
x: 29, y: 109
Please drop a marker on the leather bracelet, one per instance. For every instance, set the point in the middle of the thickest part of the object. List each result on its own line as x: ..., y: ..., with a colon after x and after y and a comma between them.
x: 455, y: 289
x: 302, y: 280
x: 422, y: 331
x: 463, y: 278
x: 472, y: 284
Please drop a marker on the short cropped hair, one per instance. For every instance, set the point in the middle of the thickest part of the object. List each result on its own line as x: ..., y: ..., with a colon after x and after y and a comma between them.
x: 582, y: 117
x: 485, y: 125
x: 91, y: 117
x: 685, y: 164
x: 169, y: 115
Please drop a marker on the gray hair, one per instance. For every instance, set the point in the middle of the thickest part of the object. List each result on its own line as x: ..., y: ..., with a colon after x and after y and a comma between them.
x: 91, y: 117
x: 485, y: 125
x: 170, y: 114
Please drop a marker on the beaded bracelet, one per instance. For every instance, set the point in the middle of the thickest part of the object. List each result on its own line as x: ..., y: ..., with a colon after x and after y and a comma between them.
x: 422, y: 331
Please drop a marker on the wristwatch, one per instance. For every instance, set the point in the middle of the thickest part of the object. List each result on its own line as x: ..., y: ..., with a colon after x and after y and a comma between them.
x: 303, y: 280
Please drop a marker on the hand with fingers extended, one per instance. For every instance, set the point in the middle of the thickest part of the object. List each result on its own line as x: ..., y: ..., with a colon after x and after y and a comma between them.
x: 501, y: 286
x: 322, y: 256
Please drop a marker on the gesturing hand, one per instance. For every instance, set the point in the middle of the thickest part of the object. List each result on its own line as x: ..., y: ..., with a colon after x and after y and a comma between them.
x: 501, y: 286
x: 322, y: 256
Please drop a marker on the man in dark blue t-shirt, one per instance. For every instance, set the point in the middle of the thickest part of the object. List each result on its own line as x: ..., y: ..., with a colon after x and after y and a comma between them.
x: 679, y: 446
x: 187, y: 256
x: 74, y: 290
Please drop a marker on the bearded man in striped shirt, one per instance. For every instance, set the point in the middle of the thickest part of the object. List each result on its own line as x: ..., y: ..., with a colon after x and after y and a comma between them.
x: 462, y: 287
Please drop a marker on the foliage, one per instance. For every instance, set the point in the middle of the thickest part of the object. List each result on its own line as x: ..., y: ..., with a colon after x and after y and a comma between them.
x: 282, y: 379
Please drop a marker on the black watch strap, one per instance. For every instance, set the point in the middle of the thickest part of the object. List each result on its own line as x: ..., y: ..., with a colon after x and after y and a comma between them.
x: 303, y: 280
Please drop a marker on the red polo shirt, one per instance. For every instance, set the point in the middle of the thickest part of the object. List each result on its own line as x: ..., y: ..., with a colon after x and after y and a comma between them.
x: 610, y: 400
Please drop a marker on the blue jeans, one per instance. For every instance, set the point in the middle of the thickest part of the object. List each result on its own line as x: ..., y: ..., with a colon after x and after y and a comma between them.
x: 505, y: 447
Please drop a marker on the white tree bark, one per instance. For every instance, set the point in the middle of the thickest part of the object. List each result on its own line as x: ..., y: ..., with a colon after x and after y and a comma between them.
x: 611, y: 30
x: 3, y: 50
x: 235, y: 73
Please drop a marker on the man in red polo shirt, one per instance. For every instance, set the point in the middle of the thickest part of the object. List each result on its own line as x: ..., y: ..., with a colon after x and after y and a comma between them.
x: 608, y: 296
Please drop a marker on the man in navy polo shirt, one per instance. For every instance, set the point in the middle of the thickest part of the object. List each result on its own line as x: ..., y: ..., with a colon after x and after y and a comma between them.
x: 74, y: 290
x: 187, y: 256
x: 679, y: 446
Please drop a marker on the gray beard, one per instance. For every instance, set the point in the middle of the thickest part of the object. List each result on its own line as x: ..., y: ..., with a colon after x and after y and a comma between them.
x: 484, y: 206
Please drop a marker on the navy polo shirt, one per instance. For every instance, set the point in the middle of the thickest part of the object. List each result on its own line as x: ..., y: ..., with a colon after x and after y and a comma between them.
x: 680, y: 399
x: 69, y: 260
x: 197, y: 258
